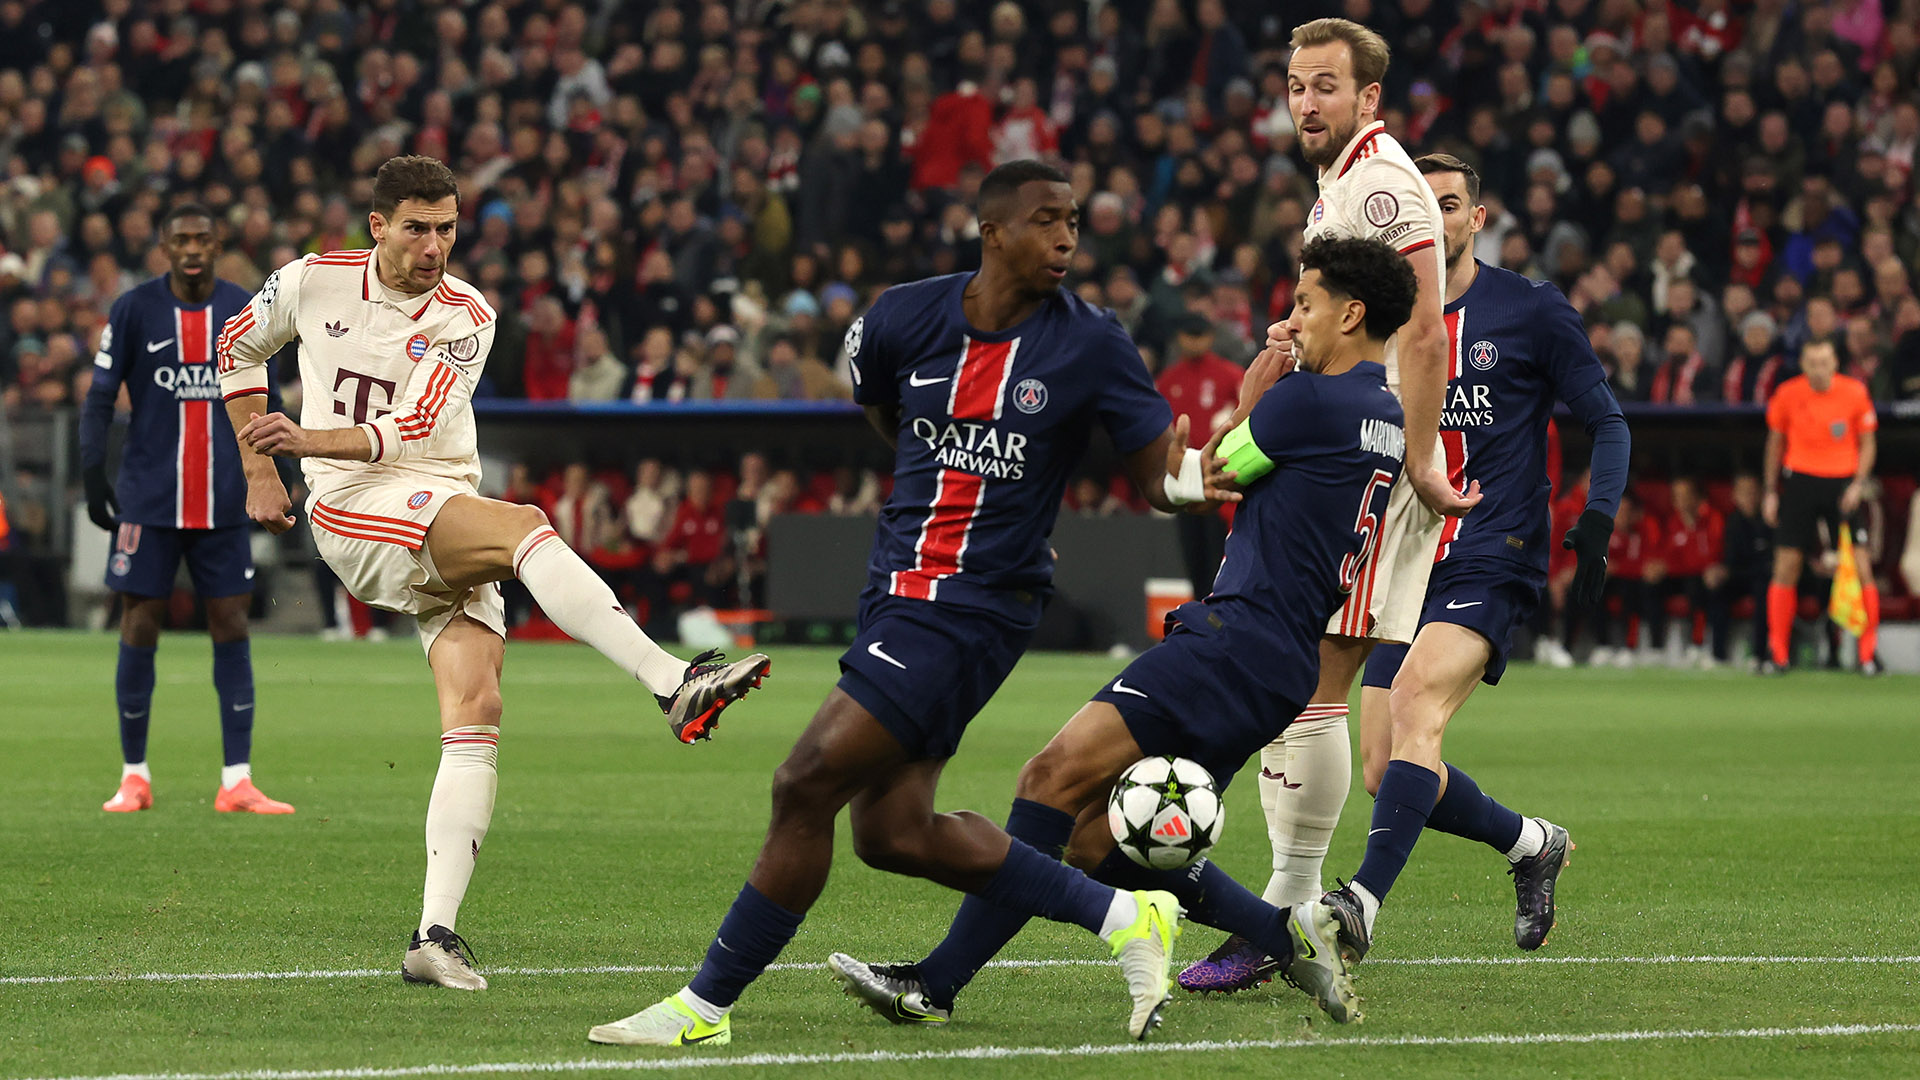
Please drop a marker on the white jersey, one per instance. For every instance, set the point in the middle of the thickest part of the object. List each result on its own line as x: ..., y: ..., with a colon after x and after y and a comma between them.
x: 399, y: 367
x: 1375, y: 192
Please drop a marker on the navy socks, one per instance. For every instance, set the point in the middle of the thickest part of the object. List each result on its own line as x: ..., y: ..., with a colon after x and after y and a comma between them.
x: 1465, y: 811
x: 750, y: 938
x: 1400, y: 811
x: 233, y: 681
x: 133, y: 693
x: 982, y: 928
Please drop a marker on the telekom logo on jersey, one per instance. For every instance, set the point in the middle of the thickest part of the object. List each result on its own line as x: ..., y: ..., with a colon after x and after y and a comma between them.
x: 363, y: 407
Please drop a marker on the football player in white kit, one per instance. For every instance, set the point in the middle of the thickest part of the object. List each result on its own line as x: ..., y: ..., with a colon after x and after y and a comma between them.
x: 391, y: 347
x: 1369, y: 187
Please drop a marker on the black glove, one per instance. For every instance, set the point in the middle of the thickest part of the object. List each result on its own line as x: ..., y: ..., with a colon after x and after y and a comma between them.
x: 1588, y: 540
x: 102, y: 506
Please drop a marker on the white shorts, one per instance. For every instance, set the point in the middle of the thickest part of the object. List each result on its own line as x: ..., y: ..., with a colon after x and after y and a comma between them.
x: 373, y: 533
x: 1392, y: 588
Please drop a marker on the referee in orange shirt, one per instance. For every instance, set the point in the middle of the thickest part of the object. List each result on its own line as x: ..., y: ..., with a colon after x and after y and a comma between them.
x: 1820, y: 451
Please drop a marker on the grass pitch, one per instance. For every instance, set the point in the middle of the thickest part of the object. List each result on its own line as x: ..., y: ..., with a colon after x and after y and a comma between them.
x: 1730, y: 830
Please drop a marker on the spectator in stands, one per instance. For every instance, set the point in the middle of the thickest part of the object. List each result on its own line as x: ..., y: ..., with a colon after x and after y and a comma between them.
x: 725, y: 375
x: 598, y: 374
x: 581, y: 511
x: 695, y: 548
x: 659, y: 376
x: 856, y: 492
x: 1683, y: 376
x: 1748, y: 552
x: 1758, y: 365
x: 1694, y: 567
x: 1092, y: 497
x: 650, y: 508
x: 1636, y: 544
x: 1631, y: 377
x: 1203, y: 389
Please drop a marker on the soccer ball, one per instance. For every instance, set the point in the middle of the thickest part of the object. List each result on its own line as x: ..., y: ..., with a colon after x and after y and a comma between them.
x: 1165, y: 812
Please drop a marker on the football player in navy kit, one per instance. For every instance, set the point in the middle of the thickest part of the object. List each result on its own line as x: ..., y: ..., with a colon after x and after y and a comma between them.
x: 1516, y: 347
x: 180, y: 495
x: 1318, y: 452
x: 988, y: 385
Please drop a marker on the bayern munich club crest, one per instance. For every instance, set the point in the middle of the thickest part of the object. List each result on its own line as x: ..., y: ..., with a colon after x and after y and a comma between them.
x: 1483, y: 355
x: 1030, y: 396
x: 1319, y: 210
x: 417, y: 347
x: 419, y: 499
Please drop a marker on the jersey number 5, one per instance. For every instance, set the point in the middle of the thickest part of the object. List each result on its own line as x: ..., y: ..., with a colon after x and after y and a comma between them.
x: 1367, y: 527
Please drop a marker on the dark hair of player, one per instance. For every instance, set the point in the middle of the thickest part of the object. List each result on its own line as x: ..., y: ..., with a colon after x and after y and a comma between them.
x: 412, y: 177
x: 1370, y: 272
x: 1433, y: 163
x: 1004, y: 182
x: 184, y: 210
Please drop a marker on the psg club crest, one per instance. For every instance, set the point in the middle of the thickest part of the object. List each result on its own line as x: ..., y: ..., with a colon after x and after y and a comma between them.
x: 1030, y: 396
x: 121, y: 564
x: 419, y: 499
x: 1483, y: 355
x: 417, y: 347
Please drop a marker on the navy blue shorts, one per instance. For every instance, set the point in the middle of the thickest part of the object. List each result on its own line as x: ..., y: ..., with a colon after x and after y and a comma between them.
x: 1487, y: 596
x: 145, y: 559
x: 1190, y: 696
x: 925, y: 670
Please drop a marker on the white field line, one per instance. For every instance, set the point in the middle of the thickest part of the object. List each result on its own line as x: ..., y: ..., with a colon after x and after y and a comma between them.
x: 1001, y: 1053
x: 659, y: 969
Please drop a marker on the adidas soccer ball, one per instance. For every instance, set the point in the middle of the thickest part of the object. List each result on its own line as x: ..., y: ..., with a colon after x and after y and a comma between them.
x: 1165, y: 812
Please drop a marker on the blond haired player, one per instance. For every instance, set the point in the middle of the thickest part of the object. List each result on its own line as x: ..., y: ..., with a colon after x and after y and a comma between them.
x: 391, y: 347
x: 1369, y: 188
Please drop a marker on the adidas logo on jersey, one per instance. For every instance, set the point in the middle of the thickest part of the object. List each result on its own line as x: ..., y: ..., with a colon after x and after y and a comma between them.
x: 334, y: 329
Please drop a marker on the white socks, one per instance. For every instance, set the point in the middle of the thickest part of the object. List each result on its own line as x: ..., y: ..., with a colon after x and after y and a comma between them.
x: 1120, y: 914
x: 1533, y: 838
x: 457, y: 818
x: 578, y: 602
x: 704, y: 1009
x: 139, y: 769
x: 1305, y: 775
x: 1369, y: 904
x: 233, y: 774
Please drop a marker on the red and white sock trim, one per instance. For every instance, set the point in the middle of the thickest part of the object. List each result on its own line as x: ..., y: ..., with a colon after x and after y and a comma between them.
x: 534, y: 541
x: 1323, y: 712
x: 477, y: 735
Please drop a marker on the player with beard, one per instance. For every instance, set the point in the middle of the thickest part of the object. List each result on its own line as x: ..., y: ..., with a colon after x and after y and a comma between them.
x: 1515, y: 347
x: 1370, y: 189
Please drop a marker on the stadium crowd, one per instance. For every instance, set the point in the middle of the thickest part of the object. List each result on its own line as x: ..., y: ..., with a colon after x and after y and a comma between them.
x: 692, y: 201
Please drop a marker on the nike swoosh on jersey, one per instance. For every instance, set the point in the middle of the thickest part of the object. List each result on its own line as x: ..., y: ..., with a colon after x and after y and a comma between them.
x: 156, y: 346
x: 1456, y: 606
x: 915, y: 380
x: 1120, y: 687
x: 874, y: 650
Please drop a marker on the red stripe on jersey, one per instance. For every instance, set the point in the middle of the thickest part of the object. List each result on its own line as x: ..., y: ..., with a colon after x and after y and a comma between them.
x: 446, y: 294
x: 1411, y: 248
x: 1365, y: 149
x: 379, y: 441
x: 941, y: 550
x: 1455, y: 444
x: 193, y: 495
x: 235, y: 329
x: 419, y: 423
x: 1453, y: 320
x: 352, y: 255
x: 423, y: 308
x: 979, y: 387
x: 260, y: 390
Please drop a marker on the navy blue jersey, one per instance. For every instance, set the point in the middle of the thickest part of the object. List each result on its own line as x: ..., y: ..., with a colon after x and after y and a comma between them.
x: 1302, y: 532
x: 991, y: 425
x: 181, y: 464
x: 1516, y: 345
